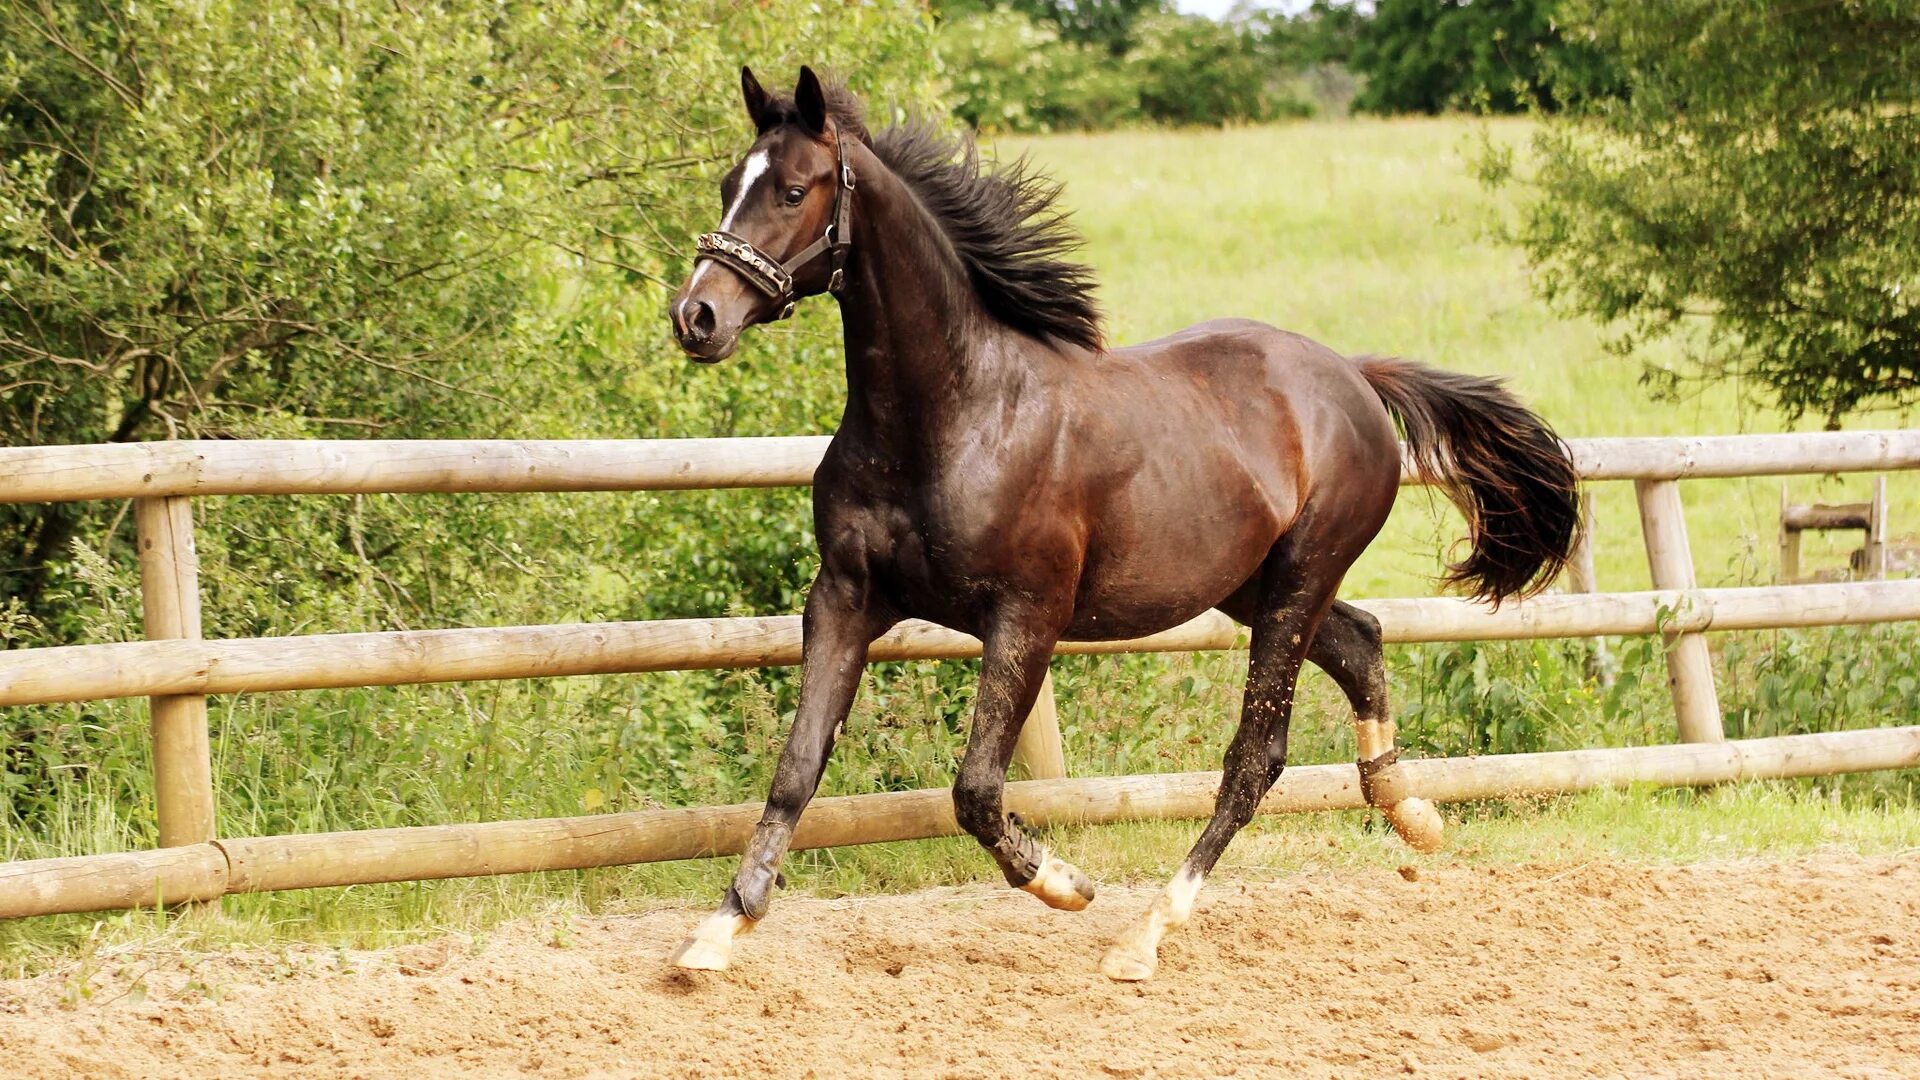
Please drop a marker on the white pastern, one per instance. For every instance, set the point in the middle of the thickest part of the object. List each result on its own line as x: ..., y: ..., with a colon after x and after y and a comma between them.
x: 1137, y: 953
x: 1181, y: 892
x: 710, y: 946
x: 1059, y: 884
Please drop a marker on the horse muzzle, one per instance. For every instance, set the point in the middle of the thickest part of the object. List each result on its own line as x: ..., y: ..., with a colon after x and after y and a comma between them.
x: 696, y: 326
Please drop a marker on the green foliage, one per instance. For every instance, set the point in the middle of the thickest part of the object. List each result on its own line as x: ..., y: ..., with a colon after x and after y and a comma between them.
x: 1008, y: 72
x: 1754, y: 198
x: 235, y: 220
x: 1431, y: 56
x: 241, y: 220
x: 1198, y: 71
x: 1109, y: 25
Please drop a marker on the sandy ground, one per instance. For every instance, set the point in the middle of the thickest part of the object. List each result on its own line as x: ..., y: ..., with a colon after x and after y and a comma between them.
x: 1797, y: 969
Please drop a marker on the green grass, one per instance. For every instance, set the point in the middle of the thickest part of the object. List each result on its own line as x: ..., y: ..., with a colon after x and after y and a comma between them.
x: 1370, y: 236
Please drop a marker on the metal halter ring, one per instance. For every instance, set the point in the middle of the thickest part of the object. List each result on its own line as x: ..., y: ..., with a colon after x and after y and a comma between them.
x: 770, y: 275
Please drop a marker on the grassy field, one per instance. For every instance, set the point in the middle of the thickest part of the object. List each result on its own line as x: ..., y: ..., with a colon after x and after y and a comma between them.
x: 1370, y: 236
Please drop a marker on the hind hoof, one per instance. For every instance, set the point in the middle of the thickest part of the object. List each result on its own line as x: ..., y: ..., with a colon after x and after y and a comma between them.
x: 1123, y: 965
x: 1419, y: 824
x: 695, y: 954
x: 710, y: 946
x: 1059, y: 884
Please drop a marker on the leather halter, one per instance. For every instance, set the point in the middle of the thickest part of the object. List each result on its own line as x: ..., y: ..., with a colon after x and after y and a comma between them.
x: 774, y: 277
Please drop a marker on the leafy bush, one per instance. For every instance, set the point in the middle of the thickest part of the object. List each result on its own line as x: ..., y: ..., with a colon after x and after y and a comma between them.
x: 1007, y: 72
x: 1197, y: 71
x: 234, y: 220
x: 1754, y: 200
x: 1487, y: 55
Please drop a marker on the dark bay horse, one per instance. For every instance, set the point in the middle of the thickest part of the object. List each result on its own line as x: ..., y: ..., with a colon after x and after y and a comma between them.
x: 999, y: 470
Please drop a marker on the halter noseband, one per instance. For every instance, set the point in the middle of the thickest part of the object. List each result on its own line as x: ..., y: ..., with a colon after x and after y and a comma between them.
x: 773, y: 277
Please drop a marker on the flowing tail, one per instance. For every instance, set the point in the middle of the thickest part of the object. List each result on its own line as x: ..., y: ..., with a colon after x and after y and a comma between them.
x: 1500, y: 464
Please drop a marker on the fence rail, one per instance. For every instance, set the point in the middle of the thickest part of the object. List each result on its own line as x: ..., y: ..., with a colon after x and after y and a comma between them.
x: 400, y: 657
x: 177, y: 670
x: 403, y: 466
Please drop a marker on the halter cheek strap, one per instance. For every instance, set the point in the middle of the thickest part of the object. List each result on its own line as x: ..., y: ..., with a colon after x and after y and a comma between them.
x: 770, y: 275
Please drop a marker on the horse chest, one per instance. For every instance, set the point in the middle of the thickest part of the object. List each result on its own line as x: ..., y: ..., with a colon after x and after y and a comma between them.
x: 938, y: 550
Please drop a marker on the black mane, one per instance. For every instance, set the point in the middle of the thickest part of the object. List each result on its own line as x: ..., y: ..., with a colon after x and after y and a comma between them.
x: 1003, y: 223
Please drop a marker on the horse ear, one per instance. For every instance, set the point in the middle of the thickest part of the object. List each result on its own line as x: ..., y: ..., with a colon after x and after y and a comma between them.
x: 756, y: 99
x: 812, y: 100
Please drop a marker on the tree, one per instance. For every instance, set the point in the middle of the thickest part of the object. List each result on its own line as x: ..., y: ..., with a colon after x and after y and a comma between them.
x: 232, y: 219
x: 1430, y: 56
x: 1108, y: 24
x: 1754, y: 197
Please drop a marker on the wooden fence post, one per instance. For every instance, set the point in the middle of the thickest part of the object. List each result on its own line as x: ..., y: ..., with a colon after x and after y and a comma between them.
x: 1789, y: 542
x: 1582, y: 579
x: 1039, y: 750
x: 1875, y: 552
x: 1696, y: 705
x: 170, y: 603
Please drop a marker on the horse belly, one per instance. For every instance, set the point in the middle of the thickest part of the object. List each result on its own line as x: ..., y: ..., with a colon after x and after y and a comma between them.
x: 1150, y: 571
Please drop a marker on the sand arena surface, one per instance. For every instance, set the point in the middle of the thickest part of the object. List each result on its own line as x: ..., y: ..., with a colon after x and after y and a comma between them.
x: 1798, y: 969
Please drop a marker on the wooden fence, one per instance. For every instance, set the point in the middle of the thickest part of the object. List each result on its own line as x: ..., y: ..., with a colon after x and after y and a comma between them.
x: 176, y: 669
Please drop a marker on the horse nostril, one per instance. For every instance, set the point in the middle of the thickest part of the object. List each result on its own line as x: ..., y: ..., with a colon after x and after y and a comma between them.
x: 698, y: 317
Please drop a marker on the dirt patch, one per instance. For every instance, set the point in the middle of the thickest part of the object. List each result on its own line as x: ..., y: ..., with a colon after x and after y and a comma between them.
x: 1750, y: 969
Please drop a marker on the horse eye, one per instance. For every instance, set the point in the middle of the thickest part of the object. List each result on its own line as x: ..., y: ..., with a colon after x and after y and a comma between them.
x: 795, y: 194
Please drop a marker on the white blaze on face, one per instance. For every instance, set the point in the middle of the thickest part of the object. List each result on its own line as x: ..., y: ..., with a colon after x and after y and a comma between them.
x: 750, y: 175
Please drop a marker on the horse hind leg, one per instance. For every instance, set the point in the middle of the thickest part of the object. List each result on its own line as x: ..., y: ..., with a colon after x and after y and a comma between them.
x: 1348, y: 649
x: 1284, y: 624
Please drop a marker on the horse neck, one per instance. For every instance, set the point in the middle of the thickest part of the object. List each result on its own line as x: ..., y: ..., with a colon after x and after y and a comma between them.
x: 912, y: 323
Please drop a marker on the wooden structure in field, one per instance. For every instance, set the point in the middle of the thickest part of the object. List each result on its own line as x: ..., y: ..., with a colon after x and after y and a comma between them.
x: 1870, y: 562
x: 177, y: 669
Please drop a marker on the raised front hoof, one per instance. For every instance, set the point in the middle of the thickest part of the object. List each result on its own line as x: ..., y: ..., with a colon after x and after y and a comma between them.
x: 710, y: 946
x: 1123, y: 964
x: 1059, y: 884
x: 1418, y: 824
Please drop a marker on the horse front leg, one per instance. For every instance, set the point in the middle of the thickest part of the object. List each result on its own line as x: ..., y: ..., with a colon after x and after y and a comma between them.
x: 840, y: 622
x: 1014, y: 662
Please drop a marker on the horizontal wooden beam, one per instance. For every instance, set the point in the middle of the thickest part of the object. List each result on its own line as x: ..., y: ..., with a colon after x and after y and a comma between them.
x: 242, y: 665
x: 263, y: 864
x: 386, y: 658
x: 365, y: 467
x: 1706, y: 456
x: 128, y: 879
x: 1803, y: 516
x: 374, y: 466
